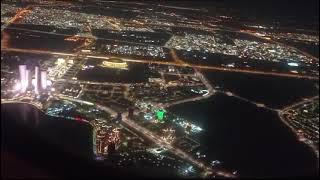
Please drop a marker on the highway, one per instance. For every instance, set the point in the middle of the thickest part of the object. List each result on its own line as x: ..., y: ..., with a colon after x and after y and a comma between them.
x: 157, y: 140
x: 169, y: 63
x: 97, y: 83
x: 306, y: 100
x: 177, y: 61
x: 210, y: 89
x: 260, y: 105
x: 176, y: 58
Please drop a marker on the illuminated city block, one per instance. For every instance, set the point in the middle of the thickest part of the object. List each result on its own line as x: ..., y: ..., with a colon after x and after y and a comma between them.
x: 160, y: 114
x: 23, y: 83
x: 43, y: 79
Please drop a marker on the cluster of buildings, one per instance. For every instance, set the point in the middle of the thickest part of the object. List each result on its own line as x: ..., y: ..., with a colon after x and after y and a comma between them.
x: 305, y: 120
x: 107, y: 138
x: 8, y: 11
x: 71, y: 90
x: 188, y: 127
x: 201, y: 42
x: 60, y: 67
x: 64, y: 18
x: 136, y: 50
x: 165, y: 20
x: 168, y: 135
x: 38, y: 84
x: 67, y: 18
x: 268, y: 51
x: 141, y: 20
x: 166, y: 93
x: 237, y: 47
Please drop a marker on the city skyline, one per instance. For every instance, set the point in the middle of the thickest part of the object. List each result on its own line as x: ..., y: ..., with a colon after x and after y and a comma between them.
x: 200, y: 89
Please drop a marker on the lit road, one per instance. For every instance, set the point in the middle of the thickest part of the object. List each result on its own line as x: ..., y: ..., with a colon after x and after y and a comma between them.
x: 260, y: 105
x: 10, y: 72
x: 157, y: 140
x: 97, y: 83
x: 306, y: 100
x: 169, y: 63
x: 19, y: 15
x: 282, y: 112
x: 177, y: 61
x: 113, y: 24
x: 210, y: 89
x: 176, y: 57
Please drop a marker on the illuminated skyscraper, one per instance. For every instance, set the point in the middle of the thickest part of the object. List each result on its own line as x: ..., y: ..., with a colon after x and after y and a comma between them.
x: 37, y: 80
x: 43, y: 79
x: 22, y: 71
x: 28, y: 78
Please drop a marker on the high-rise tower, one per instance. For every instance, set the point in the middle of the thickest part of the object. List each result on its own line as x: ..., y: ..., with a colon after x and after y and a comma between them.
x: 23, y: 83
x: 28, y: 78
x: 37, y: 80
x: 43, y: 79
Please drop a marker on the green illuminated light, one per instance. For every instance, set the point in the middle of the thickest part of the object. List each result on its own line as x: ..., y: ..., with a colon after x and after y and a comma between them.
x: 160, y: 114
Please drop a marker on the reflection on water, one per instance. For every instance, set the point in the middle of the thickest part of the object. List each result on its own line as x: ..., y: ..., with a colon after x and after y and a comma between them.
x: 23, y: 121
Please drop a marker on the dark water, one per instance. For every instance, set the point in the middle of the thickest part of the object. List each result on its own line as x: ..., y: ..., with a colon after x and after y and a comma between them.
x: 36, y: 145
x: 275, y: 92
x: 251, y: 140
x: 20, y: 122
